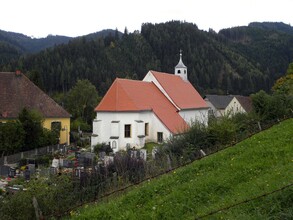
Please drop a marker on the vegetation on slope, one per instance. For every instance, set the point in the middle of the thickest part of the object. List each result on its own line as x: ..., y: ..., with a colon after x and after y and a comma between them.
x: 259, y: 165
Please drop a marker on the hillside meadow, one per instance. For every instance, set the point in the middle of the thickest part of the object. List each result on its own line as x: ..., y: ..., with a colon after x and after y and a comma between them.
x: 251, y: 180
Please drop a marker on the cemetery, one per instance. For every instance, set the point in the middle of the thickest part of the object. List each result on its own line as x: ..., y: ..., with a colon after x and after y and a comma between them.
x: 79, y: 163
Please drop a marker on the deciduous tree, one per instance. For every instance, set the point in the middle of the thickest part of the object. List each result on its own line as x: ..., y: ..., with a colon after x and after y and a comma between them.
x: 82, y: 97
x: 11, y: 137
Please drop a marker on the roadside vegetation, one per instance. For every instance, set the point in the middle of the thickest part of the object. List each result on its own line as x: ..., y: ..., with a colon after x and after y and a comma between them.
x: 255, y: 167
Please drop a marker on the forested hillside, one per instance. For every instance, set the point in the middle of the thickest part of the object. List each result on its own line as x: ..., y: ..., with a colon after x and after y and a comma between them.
x: 27, y: 44
x: 238, y: 60
x: 268, y: 46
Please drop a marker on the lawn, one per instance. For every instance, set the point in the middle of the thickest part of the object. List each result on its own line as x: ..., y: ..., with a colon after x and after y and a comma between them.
x: 208, y: 187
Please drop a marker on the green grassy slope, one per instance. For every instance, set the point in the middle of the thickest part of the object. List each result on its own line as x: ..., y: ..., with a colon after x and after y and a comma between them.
x: 256, y: 166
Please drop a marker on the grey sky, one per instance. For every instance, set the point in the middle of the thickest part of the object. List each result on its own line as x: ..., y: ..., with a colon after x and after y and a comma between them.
x: 39, y: 18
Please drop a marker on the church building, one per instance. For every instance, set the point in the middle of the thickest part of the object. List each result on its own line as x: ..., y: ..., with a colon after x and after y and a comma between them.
x: 152, y: 110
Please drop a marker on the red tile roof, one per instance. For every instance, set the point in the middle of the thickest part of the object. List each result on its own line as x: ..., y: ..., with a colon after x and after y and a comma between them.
x: 132, y: 95
x: 18, y: 92
x: 182, y: 93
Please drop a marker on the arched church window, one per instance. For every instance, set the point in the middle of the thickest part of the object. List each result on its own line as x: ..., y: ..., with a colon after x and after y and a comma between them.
x: 178, y: 71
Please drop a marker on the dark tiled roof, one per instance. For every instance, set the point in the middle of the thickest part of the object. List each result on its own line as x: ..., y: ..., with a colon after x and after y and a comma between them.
x: 219, y: 101
x: 245, y: 101
x: 18, y: 92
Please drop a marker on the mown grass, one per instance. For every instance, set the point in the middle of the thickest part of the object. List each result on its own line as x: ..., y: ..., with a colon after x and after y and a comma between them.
x: 256, y: 166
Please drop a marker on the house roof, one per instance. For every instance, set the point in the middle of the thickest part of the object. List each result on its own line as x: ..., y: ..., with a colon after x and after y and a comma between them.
x: 222, y: 101
x: 182, y: 93
x: 245, y: 102
x: 131, y: 95
x: 18, y: 92
x: 219, y: 101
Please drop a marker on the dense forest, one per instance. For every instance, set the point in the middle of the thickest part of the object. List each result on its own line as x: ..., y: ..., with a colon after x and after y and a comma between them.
x: 240, y: 60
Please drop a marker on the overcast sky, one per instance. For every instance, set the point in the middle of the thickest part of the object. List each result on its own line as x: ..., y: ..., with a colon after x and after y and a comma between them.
x: 39, y: 18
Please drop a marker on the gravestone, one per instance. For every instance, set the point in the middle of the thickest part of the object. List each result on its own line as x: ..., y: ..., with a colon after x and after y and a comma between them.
x: 102, y: 154
x: 108, y: 160
x: 55, y: 163
x: 143, y: 154
x: 27, y: 174
x: 154, y: 152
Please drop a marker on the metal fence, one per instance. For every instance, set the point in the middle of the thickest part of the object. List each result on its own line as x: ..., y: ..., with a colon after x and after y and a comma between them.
x: 15, y: 158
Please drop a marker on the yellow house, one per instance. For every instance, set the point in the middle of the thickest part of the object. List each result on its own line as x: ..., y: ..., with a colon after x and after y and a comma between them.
x: 18, y: 92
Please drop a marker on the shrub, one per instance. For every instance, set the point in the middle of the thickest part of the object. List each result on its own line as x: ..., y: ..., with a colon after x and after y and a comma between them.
x: 222, y: 131
x: 102, y: 148
x: 48, y: 137
x: 246, y: 124
x: 272, y: 107
x: 11, y: 137
x: 80, y: 124
x: 129, y: 168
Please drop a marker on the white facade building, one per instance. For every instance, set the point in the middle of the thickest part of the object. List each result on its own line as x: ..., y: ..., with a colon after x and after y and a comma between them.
x: 228, y: 105
x: 114, y: 132
x: 152, y: 110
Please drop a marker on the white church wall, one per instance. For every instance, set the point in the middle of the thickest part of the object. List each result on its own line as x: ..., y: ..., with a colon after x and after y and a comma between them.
x: 97, y: 131
x: 140, y: 127
x: 115, y: 128
x: 156, y: 126
x: 104, y: 129
x: 195, y: 115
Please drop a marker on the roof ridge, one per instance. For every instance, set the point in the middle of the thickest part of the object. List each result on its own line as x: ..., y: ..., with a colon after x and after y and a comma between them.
x: 164, y: 73
x: 168, y: 96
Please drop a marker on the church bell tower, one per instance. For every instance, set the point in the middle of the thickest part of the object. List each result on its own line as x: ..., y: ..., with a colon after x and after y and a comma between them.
x: 181, y: 69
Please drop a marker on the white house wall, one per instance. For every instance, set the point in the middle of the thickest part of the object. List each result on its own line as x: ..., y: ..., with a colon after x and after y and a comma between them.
x: 234, y: 107
x: 215, y: 111
x: 195, y: 115
x: 104, y: 129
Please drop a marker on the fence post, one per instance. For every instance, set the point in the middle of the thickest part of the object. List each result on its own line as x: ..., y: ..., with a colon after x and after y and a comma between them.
x: 38, y: 212
x: 203, y: 154
x: 21, y: 155
x: 169, y: 163
x: 259, y: 126
x: 5, y: 160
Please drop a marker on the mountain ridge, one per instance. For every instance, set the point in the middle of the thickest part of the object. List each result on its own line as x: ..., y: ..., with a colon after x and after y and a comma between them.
x: 239, y: 60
